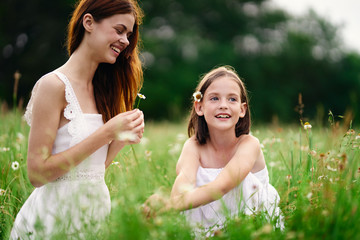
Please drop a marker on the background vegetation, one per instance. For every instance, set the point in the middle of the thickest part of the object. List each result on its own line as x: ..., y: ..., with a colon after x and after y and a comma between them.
x: 316, y: 172
x: 277, y: 55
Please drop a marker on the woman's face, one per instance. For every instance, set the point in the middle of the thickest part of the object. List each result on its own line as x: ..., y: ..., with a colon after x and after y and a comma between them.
x: 109, y: 37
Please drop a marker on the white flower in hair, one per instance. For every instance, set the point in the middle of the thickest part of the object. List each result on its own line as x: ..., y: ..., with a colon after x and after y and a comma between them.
x: 197, y: 96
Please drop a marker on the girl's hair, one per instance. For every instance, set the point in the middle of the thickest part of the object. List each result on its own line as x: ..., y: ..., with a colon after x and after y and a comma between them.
x: 197, y: 124
x: 115, y: 85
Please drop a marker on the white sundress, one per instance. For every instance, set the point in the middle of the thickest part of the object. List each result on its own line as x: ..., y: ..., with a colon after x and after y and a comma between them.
x: 79, y: 199
x: 253, y: 194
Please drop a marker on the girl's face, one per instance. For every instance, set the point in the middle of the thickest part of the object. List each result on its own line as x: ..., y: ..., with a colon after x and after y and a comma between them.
x: 109, y: 37
x: 221, y: 104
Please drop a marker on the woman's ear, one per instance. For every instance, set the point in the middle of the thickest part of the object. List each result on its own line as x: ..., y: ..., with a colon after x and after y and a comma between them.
x: 198, y: 108
x: 243, y: 108
x: 88, y: 22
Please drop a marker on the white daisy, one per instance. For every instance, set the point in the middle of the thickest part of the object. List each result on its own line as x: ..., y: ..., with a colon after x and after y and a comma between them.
x: 197, y: 96
x: 15, y: 165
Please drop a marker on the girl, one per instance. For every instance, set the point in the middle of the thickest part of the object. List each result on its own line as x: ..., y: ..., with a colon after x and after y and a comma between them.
x: 221, y: 167
x: 69, y: 144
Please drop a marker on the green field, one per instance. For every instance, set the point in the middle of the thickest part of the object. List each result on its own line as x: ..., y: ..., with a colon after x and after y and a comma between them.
x: 315, y: 171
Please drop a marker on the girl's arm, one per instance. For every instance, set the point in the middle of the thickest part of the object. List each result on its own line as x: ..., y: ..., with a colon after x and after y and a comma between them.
x: 47, y: 111
x: 233, y: 173
x: 186, y: 170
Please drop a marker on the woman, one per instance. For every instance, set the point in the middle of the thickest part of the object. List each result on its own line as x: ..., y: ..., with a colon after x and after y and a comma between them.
x: 69, y: 144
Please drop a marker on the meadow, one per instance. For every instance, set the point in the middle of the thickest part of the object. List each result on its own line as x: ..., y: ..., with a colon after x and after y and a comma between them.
x: 315, y: 170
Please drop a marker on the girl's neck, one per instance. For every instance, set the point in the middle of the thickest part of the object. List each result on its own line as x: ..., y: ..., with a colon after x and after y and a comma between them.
x: 223, y: 141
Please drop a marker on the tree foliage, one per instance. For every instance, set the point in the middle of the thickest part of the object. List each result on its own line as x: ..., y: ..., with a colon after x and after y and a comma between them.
x: 277, y: 55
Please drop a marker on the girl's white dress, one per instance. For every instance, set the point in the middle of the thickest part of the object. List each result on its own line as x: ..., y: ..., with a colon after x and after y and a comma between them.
x: 79, y: 199
x: 252, y: 195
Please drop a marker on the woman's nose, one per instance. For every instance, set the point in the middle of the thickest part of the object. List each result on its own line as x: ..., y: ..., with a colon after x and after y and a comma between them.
x: 124, y: 41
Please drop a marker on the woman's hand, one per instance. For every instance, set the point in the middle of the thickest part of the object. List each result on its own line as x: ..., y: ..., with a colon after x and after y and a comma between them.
x: 127, y: 127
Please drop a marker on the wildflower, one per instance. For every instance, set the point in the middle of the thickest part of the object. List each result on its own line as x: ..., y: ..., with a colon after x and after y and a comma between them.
x: 115, y: 163
x: 350, y: 132
x: 126, y: 136
x: 181, y: 137
x: 313, y: 153
x: 2, y: 192
x: 272, y: 164
x: 4, y: 149
x: 148, y: 155
x: 330, y: 168
x: 15, y: 165
x: 175, y: 148
x: 304, y: 148
x: 312, y: 169
x: 357, y: 137
x: 144, y: 141
x: 158, y: 221
x: 309, y: 195
x: 288, y: 177
x: 141, y: 96
x: 19, y: 137
x: 307, y: 126
x: 197, y: 96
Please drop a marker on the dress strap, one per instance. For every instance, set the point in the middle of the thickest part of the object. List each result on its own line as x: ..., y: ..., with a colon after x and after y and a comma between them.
x: 77, y: 127
x: 73, y: 107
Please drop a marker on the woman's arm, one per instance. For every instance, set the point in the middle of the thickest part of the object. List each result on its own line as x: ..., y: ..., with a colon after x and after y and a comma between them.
x: 49, y: 103
x: 232, y: 175
x: 116, y: 145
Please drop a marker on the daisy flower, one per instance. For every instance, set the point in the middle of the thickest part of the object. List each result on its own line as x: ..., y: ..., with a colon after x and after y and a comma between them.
x: 141, y: 96
x: 15, y: 165
x: 197, y: 96
x: 307, y: 126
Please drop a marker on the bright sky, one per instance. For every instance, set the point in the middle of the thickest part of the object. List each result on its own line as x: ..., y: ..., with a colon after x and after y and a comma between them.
x: 344, y: 12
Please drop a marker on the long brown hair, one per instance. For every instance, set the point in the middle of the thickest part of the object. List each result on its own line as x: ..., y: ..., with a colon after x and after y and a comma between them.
x: 197, y: 125
x: 115, y: 85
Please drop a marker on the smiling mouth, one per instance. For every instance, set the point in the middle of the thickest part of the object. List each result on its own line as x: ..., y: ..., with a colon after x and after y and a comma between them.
x: 222, y: 116
x: 115, y: 49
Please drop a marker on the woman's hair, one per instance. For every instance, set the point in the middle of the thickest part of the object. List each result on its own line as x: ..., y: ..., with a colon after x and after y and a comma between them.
x: 115, y: 85
x: 197, y: 124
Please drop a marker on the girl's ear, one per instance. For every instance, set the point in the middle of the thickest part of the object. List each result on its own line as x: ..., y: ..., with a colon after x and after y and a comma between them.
x: 243, y: 109
x: 88, y: 22
x: 198, y: 109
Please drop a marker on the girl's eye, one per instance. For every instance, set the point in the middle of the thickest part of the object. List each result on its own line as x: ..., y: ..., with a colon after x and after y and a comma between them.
x: 214, y: 98
x: 232, y: 99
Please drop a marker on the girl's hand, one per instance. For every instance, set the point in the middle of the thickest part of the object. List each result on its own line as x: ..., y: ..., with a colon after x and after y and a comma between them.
x: 127, y: 127
x: 155, y: 204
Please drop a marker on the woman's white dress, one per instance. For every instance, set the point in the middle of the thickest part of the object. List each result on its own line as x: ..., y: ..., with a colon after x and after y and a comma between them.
x: 252, y: 195
x: 79, y: 199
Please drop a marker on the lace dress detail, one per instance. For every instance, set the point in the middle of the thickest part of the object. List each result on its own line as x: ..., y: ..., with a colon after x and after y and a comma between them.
x: 82, y: 175
x: 79, y: 199
x: 253, y: 194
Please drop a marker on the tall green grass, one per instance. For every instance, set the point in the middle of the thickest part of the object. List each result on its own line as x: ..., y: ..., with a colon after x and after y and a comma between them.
x: 315, y: 171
